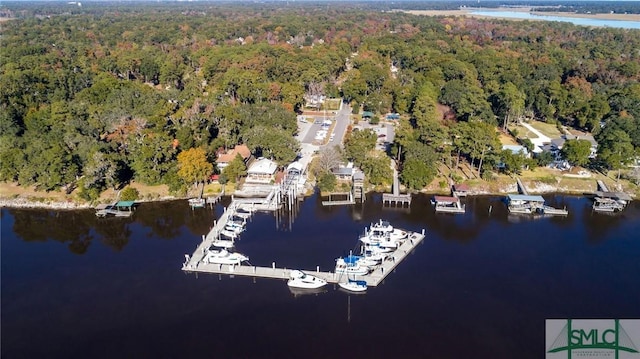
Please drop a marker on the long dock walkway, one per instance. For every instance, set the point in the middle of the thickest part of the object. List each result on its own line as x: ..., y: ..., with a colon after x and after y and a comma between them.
x: 194, y: 263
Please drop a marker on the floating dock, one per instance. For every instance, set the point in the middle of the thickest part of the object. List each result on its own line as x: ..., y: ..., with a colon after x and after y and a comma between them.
x: 445, y: 204
x: 195, y: 263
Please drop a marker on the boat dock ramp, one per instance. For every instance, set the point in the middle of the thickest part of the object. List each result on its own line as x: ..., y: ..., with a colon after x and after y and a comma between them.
x: 195, y: 263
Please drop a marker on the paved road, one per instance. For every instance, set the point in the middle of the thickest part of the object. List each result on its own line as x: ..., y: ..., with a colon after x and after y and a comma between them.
x: 342, y: 118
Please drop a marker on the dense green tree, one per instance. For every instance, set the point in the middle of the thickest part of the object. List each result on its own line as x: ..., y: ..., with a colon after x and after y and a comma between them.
x: 416, y: 174
x: 576, y: 151
x: 358, y: 145
x: 327, y: 182
x: 377, y: 169
x: 235, y: 169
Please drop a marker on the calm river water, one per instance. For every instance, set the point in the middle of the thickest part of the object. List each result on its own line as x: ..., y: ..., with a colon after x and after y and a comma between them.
x: 481, y: 285
x: 587, y: 20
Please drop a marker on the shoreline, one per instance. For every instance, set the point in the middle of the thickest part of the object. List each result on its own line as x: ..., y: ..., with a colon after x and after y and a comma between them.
x: 27, y: 203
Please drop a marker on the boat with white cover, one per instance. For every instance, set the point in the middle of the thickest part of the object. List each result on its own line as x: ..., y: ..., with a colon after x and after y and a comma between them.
x: 299, y: 279
x: 379, y: 239
x: 386, y: 227
x: 350, y: 266
x: 354, y: 285
x: 223, y: 256
x: 377, y: 249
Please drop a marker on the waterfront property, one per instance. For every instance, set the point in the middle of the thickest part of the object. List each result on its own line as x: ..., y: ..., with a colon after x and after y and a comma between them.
x: 261, y: 171
x: 223, y: 158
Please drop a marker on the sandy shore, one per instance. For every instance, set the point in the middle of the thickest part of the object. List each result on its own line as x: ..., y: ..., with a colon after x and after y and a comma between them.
x: 468, y: 12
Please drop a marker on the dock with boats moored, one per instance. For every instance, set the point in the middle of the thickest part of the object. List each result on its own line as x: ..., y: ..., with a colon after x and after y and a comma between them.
x: 196, y: 263
x: 524, y: 203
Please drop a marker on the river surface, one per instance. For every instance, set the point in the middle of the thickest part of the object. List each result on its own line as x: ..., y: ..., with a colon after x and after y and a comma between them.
x: 479, y: 286
x: 582, y: 21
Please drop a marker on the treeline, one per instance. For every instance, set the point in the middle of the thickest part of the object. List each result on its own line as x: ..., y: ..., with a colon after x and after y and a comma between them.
x: 96, y: 98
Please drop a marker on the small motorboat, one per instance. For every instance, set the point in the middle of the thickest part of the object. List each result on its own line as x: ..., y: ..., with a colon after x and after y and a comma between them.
x: 223, y: 256
x: 299, y: 279
x: 354, y: 285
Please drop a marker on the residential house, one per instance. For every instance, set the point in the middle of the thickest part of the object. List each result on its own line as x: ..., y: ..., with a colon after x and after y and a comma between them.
x: 557, y: 143
x: 261, y: 170
x: 225, y: 157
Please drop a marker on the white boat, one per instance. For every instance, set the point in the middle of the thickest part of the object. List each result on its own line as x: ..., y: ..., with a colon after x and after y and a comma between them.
x: 377, y: 249
x: 350, y: 266
x: 354, y: 285
x: 379, y: 239
x: 386, y: 227
x: 234, y: 228
x: 230, y: 234
x: 197, y: 202
x: 299, y: 279
x: 223, y: 256
x: 222, y: 243
x: 373, y: 255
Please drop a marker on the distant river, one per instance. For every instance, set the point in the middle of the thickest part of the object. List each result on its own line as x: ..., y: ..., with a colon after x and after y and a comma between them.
x: 480, y: 286
x: 574, y: 20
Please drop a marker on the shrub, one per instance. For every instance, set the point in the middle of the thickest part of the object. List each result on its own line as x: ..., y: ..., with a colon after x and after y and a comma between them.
x: 129, y: 194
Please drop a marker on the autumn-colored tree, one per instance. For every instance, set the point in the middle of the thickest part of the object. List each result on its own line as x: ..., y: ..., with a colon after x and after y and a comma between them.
x: 193, y: 165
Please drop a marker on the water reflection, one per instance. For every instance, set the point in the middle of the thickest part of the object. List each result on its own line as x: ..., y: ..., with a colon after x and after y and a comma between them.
x: 166, y: 220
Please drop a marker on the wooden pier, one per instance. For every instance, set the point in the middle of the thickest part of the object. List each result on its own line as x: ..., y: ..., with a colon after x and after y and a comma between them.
x: 195, y: 264
x: 396, y: 197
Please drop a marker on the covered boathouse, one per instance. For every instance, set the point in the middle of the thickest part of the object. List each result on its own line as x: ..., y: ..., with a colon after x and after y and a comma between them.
x: 521, y: 203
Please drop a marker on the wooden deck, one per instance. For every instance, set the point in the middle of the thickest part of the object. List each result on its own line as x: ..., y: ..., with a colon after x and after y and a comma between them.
x: 194, y: 263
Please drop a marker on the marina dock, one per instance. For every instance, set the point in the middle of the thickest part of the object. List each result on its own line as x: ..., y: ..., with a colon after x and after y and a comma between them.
x: 195, y: 263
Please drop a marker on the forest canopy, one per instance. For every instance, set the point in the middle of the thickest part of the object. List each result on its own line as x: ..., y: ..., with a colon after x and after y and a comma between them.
x: 98, y: 95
